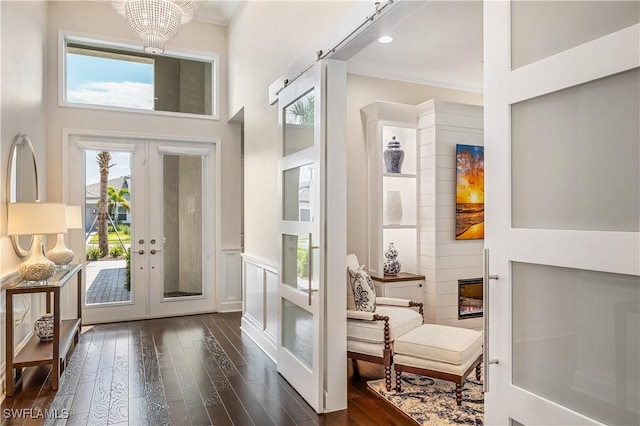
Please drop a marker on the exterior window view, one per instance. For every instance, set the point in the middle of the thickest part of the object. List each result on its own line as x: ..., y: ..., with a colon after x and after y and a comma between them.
x: 374, y: 213
x: 107, y: 218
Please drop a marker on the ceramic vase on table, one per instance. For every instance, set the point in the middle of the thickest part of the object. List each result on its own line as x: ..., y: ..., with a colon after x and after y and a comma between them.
x: 391, y: 265
x: 393, y: 156
x: 43, y: 327
x: 393, y: 207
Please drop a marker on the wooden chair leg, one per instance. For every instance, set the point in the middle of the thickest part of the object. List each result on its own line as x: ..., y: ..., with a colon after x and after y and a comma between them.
x: 458, y: 394
x: 398, y: 381
x: 387, y: 377
x: 478, y: 371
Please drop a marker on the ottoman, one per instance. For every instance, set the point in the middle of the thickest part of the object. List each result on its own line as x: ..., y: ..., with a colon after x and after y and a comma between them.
x: 439, y: 351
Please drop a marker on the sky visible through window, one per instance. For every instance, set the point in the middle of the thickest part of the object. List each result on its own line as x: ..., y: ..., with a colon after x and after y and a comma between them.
x: 113, y: 82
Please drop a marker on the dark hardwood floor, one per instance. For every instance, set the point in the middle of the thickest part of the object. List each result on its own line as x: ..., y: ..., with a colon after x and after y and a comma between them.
x: 194, y: 370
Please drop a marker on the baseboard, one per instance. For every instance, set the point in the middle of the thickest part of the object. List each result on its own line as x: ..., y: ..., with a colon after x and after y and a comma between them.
x: 251, y: 329
x: 231, y: 306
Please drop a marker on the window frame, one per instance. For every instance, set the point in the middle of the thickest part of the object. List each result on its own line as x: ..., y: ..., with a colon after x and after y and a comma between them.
x: 65, y: 37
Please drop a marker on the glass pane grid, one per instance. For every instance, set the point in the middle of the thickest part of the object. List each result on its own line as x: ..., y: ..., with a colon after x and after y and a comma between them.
x: 576, y: 339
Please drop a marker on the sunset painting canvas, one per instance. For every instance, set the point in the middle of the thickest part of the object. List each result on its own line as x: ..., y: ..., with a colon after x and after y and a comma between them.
x: 469, y: 192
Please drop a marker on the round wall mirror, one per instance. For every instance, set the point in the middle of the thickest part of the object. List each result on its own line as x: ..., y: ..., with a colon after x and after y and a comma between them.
x: 22, y: 184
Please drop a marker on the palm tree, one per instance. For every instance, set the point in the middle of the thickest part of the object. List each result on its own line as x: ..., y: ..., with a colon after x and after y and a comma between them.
x: 103, y: 159
x: 302, y: 112
x: 117, y: 198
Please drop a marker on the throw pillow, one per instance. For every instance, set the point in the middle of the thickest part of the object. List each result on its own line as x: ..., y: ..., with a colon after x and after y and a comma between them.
x: 364, y: 292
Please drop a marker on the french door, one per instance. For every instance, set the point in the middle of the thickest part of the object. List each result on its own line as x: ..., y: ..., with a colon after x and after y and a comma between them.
x: 562, y: 185
x: 165, y: 217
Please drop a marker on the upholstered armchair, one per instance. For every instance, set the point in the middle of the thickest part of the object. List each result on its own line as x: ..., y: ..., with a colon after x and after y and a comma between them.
x: 370, y: 335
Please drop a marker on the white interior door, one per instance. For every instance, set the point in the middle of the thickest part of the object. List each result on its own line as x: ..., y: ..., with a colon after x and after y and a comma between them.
x: 562, y: 159
x: 301, y: 289
x: 169, y: 226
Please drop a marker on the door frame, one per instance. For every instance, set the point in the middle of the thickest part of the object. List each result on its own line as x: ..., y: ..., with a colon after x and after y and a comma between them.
x: 76, y: 239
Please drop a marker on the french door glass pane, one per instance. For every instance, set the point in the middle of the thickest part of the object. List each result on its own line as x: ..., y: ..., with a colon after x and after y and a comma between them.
x: 540, y: 29
x: 576, y: 157
x: 107, y: 277
x: 576, y: 339
x: 295, y: 260
x: 297, y: 332
x: 182, y: 245
x: 299, y: 117
x: 297, y: 195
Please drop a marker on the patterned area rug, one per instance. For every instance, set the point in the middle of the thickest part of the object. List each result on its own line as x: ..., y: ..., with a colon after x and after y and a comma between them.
x: 432, y: 402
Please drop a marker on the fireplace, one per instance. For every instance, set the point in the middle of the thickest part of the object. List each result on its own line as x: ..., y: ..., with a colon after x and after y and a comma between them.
x: 470, y: 298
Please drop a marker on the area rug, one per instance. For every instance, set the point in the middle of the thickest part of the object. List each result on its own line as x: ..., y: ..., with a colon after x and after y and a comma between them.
x: 432, y: 402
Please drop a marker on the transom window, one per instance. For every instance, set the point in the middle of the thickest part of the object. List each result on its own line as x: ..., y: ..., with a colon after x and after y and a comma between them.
x: 110, y: 76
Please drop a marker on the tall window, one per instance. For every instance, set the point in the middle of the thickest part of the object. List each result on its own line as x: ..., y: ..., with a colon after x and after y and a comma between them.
x: 108, y: 76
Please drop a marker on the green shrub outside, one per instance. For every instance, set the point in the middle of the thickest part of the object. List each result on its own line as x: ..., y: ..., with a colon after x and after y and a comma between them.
x: 116, y: 251
x: 127, y: 285
x: 93, y: 253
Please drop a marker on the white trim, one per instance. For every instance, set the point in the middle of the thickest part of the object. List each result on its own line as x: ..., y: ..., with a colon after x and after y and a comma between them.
x: 230, y: 281
x: 102, y: 41
x: 182, y: 151
x: 93, y: 135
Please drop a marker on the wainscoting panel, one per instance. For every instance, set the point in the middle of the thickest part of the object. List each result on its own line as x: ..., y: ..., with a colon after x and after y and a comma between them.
x: 260, y: 305
x: 230, y: 285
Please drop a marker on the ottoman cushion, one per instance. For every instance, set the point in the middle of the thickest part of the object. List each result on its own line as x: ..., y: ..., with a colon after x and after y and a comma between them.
x: 452, y: 345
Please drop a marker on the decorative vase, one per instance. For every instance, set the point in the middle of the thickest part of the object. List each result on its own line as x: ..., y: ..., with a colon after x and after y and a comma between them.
x: 60, y: 254
x: 37, y: 268
x: 391, y: 265
x: 393, y: 156
x: 394, y: 207
x: 43, y: 327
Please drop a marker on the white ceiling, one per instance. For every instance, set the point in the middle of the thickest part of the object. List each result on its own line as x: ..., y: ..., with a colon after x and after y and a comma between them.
x: 440, y: 44
x: 216, y: 11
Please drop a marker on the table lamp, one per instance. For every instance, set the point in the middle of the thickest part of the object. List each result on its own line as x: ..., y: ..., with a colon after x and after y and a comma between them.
x: 36, y: 219
x: 61, y: 255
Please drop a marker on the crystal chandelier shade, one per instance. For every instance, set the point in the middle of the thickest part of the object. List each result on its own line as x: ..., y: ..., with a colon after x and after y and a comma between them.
x: 156, y: 21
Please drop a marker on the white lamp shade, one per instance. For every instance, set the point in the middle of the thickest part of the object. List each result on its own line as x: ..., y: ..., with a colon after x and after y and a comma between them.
x: 74, y: 217
x: 36, y: 219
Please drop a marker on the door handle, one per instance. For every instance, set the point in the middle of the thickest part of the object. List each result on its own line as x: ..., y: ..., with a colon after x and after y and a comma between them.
x: 310, y: 268
x: 486, y: 276
x: 154, y: 251
x: 140, y: 251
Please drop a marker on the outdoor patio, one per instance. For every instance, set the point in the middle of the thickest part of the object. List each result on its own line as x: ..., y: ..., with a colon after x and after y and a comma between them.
x: 106, y: 280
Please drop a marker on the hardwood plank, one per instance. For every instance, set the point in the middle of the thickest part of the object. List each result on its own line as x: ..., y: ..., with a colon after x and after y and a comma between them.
x: 149, y: 359
x: 119, y: 403
x: 82, y: 399
x: 157, y: 408
x: 178, y: 413
x: 107, y: 355
x: 99, y: 409
x: 192, y: 398
x: 136, y: 366
x: 138, y: 411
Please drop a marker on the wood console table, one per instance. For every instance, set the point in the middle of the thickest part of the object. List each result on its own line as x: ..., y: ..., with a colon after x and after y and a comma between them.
x: 35, y: 352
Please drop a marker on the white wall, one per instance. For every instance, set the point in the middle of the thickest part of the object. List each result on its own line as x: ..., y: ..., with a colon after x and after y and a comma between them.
x: 264, y: 39
x: 22, y: 109
x: 101, y: 20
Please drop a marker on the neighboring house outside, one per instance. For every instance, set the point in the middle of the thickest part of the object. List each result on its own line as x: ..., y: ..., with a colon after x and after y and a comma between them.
x: 92, y: 196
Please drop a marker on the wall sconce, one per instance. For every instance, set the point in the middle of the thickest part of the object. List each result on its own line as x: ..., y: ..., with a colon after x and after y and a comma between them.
x: 36, y: 219
x: 61, y: 255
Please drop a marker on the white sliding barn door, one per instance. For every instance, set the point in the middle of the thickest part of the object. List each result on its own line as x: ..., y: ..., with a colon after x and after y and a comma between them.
x: 562, y: 185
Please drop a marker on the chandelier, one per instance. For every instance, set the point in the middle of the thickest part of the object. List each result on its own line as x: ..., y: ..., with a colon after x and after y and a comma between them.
x: 155, y: 21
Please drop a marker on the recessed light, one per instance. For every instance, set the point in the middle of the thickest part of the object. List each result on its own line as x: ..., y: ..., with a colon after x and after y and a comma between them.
x: 385, y: 39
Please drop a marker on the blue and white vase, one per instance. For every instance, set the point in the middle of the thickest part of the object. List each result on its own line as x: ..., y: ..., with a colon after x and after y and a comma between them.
x: 393, y: 156
x: 43, y: 327
x: 391, y: 265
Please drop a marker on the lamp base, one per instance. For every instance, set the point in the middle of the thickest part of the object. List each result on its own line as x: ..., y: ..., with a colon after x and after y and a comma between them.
x: 37, y: 271
x: 60, y: 254
x: 37, y: 268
